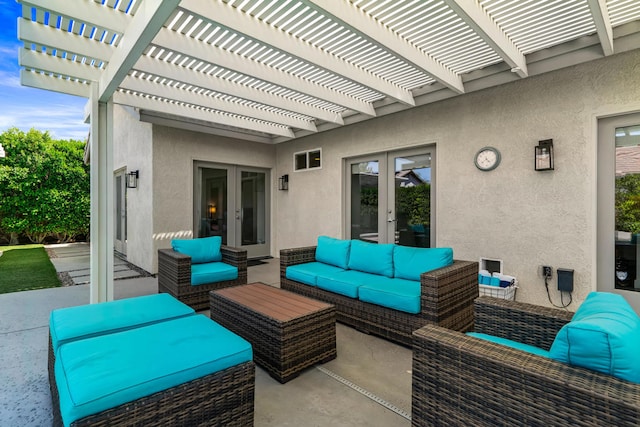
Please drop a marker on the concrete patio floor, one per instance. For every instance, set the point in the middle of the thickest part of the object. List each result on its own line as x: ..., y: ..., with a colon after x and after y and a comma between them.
x: 368, y: 384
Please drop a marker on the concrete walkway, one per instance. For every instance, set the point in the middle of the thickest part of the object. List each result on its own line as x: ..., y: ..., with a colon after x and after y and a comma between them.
x: 368, y: 384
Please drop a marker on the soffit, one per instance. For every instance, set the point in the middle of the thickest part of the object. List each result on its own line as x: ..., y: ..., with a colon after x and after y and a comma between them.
x: 276, y: 70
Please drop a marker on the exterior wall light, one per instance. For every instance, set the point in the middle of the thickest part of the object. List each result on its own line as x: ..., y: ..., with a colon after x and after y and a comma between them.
x: 132, y: 179
x: 283, y: 183
x: 544, y: 155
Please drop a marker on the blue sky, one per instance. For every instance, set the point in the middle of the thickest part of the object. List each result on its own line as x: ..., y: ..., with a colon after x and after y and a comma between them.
x: 24, y: 107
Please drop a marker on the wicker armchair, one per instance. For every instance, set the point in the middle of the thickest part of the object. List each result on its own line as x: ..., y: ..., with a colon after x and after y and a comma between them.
x: 174, y: 276
x: 461, y: 381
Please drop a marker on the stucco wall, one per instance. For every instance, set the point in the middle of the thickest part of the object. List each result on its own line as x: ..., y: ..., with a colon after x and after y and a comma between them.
x: 132, y: 150
x: 174, y: 153
x: 524, y: 217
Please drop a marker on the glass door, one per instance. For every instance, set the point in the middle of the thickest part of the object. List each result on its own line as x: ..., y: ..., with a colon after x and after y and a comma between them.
x: 233, y: 202
x: 120, y: 212
x: 389, y: 198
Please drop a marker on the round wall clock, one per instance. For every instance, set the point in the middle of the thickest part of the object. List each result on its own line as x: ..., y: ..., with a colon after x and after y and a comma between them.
x: 487, y: 158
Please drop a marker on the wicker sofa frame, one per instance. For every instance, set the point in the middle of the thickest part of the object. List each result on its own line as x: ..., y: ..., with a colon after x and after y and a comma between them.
x: 447, y: 296
x: 174, y: 276
x: 461, y: 381
x: 224, y: 398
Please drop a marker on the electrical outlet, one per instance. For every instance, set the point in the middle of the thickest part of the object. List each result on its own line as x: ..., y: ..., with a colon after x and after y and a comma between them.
x: 547, y: 271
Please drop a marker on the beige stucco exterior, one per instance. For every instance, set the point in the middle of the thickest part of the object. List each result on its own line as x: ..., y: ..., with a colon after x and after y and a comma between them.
x: 523, y: 217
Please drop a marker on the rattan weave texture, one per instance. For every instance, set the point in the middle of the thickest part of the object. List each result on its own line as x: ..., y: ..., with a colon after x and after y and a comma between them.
x: 447, y: 296
x: 288, y: 332
x: 174, y: 276
x: 464, y: 381
x: 224, y: 398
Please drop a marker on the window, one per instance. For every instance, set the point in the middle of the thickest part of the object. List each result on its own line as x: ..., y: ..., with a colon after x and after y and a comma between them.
x: 304, y: 160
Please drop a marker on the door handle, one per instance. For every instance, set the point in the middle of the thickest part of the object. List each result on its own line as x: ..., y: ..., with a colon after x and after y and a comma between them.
x: 391, y: 220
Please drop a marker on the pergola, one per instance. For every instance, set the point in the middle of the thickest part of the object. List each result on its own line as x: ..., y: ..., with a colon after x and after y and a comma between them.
x: 274, y: 70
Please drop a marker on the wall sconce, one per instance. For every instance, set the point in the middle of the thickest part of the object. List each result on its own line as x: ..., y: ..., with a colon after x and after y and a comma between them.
x: 283, y: 182
x: 544, y: 155
x: 132, y: 179
x: 212, y: 211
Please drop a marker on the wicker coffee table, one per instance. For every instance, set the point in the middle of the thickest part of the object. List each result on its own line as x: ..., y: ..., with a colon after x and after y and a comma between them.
x: 288, y: 332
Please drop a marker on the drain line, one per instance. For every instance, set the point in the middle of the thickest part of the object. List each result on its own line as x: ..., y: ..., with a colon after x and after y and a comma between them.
x: 377, y: 399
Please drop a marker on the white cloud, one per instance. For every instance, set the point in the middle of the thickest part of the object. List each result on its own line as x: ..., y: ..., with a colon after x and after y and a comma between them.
x: 61, y: 121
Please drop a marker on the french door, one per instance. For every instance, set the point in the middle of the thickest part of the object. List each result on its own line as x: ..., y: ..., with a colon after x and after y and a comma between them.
x: 389, y: 197
x: 120, y: 212
x: 233, y: 202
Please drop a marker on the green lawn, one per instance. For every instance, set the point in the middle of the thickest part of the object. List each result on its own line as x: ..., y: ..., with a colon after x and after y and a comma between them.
x: 26, y: 267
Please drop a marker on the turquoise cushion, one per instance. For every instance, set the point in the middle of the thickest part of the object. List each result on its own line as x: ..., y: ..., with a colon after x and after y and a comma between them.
x: 206, y: 249
x: 509, y: 343
x: 409, y: 263
x: 333, y: 251
x: 308, y: 272
x: 604, y: 336
x: 399, y: 294
x: 212, y: 272
x: 103, y: 372
x: 72, y: 323
x: 345, y: 282
x: 371, y: 257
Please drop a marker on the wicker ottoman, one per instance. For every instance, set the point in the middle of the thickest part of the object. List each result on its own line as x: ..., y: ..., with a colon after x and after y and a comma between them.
x: 288, y: 332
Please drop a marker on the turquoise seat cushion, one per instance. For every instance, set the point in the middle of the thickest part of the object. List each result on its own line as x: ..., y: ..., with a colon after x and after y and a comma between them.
x: 509, y: 343
x: 345, y: 282
x: 399, y: 294
x: 409, y: 263
x: 371, y: 257
x: 72, y: 323
x: 106, y: 371
x: 206, y: 249
x: 212, y: 272
x: 307, y: 273
x: 333, y: 251
x: 603, y: 335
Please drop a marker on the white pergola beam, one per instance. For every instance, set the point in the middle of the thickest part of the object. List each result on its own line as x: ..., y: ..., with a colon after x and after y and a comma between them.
x: 176, y: 109
x: 89, y: 12
x: 44, y: 35
x: 149, y: 19
x: 171, y: 71
x: 44, y: 62
x: 480, y: 22
x: 55, y: 84
x: 600, y: 14
x: 256, y: 29
x: 347, y: 14
x: 196, y: 49
x: 190, y: 97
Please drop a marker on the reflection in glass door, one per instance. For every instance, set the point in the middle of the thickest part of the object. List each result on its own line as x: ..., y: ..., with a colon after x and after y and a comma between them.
x: 233, y: 202
x: 120, y: 213
x: 411, y: 193
x: 389, y: 198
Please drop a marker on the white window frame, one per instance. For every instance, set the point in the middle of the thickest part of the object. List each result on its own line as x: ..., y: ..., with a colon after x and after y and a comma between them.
x: 307, y: 154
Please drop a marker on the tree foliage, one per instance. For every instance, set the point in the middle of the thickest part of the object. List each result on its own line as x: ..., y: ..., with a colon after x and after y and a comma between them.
x: 414, y: 203
x: 44, y: 186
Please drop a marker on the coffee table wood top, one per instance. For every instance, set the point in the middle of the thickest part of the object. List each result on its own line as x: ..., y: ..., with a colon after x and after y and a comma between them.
x: 272, y: 302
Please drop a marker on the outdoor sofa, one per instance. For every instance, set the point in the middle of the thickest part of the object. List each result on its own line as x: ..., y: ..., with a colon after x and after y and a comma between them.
x: 384, y: 289
x: 122, y: 363
x: 194, y: 267
x: 483, y: 380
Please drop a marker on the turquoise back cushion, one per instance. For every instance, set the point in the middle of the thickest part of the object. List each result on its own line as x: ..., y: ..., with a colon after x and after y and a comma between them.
x: 509, y: 343
x: 604, y: 336
x: 202, y: 250
x: 333, y: 251
x: 409, y: 263
x: 371, y: 258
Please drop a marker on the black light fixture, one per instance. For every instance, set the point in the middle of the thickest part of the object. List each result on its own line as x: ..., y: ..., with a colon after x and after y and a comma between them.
x: 283, y: 183
x: 132, y: 179
x: 544, y: 155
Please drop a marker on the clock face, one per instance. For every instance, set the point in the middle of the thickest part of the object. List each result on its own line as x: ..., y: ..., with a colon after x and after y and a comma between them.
x: 488, y: 158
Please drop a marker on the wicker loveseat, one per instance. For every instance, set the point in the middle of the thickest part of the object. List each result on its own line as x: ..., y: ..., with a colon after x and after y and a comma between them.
x: 445, y: 298
x: 175, y: 273
x: 459, y: 380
